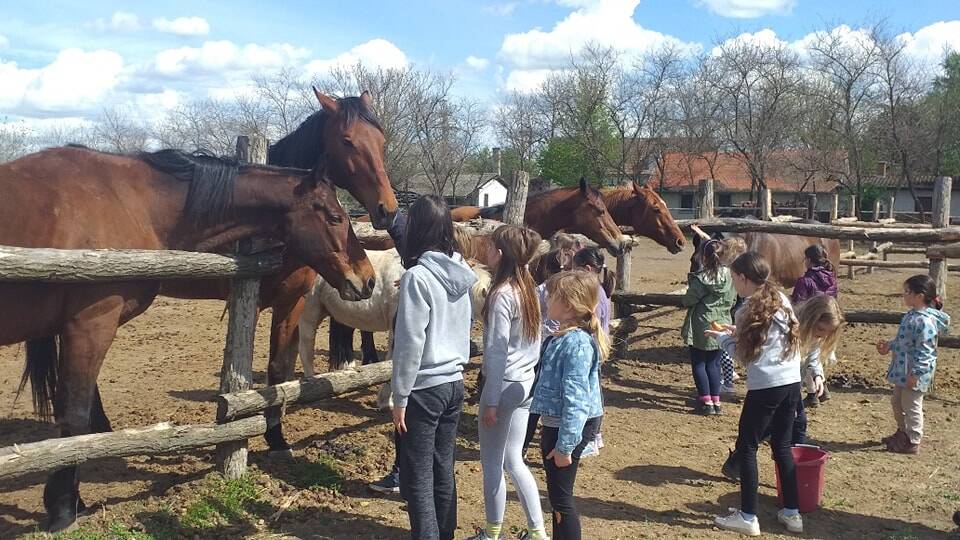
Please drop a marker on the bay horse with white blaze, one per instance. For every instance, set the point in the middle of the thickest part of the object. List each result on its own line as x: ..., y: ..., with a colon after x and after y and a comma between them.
x: 77, y: 198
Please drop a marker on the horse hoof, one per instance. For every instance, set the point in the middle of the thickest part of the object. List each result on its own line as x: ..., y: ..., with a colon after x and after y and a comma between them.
x: 62, y: 525
x: 286, y: 453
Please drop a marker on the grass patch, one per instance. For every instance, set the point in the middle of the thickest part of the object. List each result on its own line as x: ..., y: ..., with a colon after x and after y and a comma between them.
x: 951, y: 496
x: 324, y: 473
x: 223, y: 503
x: 114, y: 530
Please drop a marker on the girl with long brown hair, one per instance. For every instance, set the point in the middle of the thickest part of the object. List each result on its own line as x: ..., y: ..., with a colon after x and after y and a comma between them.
x: 511, y: 351
x: 766, y: 340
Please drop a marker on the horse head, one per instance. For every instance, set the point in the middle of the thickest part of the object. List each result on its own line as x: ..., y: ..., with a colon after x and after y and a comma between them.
x: 650, y: 217
x: 590, y: 216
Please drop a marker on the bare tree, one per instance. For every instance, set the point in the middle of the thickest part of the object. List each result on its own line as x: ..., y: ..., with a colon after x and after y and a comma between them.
x: 698, y: 106
x: 118, y: 129
x: 208, y: 124
x: 448, y: 132
x: 14, y: 140
x: 518, y: 124
x: 287, y: 98
x: 758, y: 85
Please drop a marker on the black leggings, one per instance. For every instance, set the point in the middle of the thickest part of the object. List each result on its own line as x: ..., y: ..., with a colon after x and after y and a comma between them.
x: 566, y: 520
x: 773, y: 410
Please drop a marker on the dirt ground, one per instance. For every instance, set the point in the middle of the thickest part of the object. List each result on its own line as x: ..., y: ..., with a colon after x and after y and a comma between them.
x: 657, y: 477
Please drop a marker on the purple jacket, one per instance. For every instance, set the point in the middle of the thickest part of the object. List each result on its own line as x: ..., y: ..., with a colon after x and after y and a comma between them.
x: 817, y: 280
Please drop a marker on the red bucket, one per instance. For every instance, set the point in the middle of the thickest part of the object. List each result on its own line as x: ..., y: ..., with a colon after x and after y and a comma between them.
x: 810, y: 461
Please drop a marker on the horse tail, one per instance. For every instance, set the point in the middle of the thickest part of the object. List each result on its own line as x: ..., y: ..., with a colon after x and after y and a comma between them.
x: 43, y: 355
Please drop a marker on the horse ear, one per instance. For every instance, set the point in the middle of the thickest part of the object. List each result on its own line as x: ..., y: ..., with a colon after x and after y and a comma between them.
x: 366, y: 99
x: 583, y: 185
x: 328, y: 103
x: 636, y: 187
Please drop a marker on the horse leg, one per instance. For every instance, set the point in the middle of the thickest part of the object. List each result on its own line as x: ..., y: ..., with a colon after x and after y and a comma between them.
x: 284, y: 338
x: 369, y: 348
x: 85, y: 340
x: 341, y: 346
x: 99, y: 423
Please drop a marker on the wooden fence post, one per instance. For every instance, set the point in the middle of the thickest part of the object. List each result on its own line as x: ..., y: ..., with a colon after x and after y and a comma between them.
x: 766, y: 204
x: 237, y: 371
x: 891, y: 213
x: 516, y: 205
x: 835, y: 208
x: 852, y: 212
x: 876, y: 217
x: 812, y: 206
x: 705, y: 196
x: 940, y: 217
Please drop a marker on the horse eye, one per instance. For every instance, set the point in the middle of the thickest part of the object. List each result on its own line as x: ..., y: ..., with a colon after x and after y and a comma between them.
x: 336, y: 219
x: 348, y: 143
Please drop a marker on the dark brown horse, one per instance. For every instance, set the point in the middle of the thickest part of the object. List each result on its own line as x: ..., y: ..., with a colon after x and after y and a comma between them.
x: 347, y: 138
x: 578, y: 210
x: 644, y: 210
x: 77, y: 198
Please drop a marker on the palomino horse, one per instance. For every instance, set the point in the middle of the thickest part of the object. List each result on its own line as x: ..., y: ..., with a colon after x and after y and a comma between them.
x: 374, y: 314
x: 644, y: 210
x: 347, y: 138
x: 77, y: 198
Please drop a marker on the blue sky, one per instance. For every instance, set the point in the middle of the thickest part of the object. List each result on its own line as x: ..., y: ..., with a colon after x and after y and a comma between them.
x: 62, y: 59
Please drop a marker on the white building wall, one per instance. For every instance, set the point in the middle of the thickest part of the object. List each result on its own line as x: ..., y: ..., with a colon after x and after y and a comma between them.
x: 491, y: 194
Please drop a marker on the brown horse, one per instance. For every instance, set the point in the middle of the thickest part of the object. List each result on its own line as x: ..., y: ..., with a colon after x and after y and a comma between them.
x: 76, y: 198
x: 347, y: 138
x: 578, y: 210
x: 644, y: 210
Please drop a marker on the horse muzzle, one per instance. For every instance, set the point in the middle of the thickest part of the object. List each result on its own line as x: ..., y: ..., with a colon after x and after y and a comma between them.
x: 382, y: 218
x: 354, y: 289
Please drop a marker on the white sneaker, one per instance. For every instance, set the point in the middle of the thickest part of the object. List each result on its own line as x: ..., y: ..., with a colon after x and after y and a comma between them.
x: 793, y: 524
x: 599, y: 440
x: 735, y: 522
x: 590, y: 450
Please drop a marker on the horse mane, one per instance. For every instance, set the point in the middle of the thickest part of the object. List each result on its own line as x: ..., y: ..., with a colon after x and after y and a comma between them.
x: 212, y: 181
x: 301, y: 148
x: 618, y: 195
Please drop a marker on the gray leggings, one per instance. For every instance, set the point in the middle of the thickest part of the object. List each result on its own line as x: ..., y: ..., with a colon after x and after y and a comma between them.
x: 501, y: 448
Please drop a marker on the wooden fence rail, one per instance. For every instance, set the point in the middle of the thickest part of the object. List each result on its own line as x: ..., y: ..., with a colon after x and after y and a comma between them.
x: 944, y: 234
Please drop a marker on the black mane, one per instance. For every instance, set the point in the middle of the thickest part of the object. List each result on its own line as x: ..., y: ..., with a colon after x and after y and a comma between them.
x: 302, y: 147
x: 212, y: 180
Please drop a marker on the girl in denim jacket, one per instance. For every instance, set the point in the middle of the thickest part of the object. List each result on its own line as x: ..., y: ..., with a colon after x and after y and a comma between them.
x: 913, y: 360
x: 567, y: 395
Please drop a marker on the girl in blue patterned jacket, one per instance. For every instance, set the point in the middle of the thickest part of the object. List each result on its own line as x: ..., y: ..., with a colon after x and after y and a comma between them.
x: 913, y: 360
x: 567, y: 395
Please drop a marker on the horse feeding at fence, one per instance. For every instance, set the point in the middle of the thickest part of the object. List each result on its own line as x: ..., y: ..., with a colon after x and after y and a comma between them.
x: 74, y: 197
x: 643, y: 209
x: 346, y: 138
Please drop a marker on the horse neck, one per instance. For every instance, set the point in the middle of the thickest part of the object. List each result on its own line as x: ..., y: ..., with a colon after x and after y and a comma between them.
x: 619, y: 205
x: 545, y: 213
x: 260, y: 201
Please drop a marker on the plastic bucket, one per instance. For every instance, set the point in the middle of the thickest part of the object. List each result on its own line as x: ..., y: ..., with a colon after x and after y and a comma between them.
x: 810, y: 462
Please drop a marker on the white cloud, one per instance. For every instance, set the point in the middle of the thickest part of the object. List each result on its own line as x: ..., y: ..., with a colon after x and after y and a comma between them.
x: 748, y: 9
x: 75, y: 80
x: 183, y: 26
x: 120, y: 21
x: 374, y: 53
x: 477, y: 63
x: 219, y: 56
x: 502, y: 10
x: 929, y: 43
x: 533, y: 54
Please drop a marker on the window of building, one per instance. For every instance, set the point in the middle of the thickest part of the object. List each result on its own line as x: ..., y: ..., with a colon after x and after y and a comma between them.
x: 925, y: 204
x: 725, y: 200
x: 486, y: 199
x: 686, y: 200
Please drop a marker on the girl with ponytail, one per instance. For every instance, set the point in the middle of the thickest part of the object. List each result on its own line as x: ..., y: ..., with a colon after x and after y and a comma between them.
x: 510, y: 353
x: 913, y: 360
x: 567, y: 395
x: 766, y: 340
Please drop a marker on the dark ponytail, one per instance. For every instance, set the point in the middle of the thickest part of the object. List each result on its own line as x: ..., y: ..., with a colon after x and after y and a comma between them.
x: 817, y: 255
x: 924, y: 284
x: 710, y: 257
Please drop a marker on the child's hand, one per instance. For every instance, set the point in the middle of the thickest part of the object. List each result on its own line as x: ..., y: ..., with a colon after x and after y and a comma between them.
x: 911, y: 381
x: 489, y: 418
x: 561, y: 460
x: 399, y: 419
x: 818, y: 386
x: 883, y: 346
x: 714, y: 334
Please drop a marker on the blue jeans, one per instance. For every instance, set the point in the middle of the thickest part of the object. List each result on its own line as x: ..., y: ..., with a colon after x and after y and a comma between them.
x: 706, y: 371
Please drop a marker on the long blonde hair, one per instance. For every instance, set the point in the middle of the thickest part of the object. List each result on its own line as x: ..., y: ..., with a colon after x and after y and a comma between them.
x: 820, y: 309
x: 756, y: 315
x: 579, y: 290
x: 517, y: 246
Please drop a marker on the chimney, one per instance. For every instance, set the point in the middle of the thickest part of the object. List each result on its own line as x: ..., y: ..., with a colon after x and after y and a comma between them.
x: 496, y: 160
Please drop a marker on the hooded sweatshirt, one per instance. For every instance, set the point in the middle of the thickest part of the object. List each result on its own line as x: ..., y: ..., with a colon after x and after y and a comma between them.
x: 817, y: 280
x: 914, y: 350
x: 771, y: 368
x: 432, y: 333
x: 507, y: 354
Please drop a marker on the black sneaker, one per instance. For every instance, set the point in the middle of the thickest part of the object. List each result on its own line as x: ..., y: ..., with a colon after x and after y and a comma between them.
x: 717, y: 409
x: 811, y: 401
x: 388, y: 484
x: 706, y: 409
x: 731, y: 467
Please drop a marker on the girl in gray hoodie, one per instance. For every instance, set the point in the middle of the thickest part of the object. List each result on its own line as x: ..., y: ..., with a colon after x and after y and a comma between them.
x: 766, y: 340
x: 431, y: 345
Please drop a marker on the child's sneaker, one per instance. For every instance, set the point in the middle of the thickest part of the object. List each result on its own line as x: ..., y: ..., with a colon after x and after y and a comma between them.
x: 590, y: 450
x: 736, y: 523
x: 599, y: 440
x: 388, y: 484
x: 793, y: 523
x: 731, y: 467
x: 705, y: 409
x: 716, y: 408
x: 727, y: 390
x: 482, y: 535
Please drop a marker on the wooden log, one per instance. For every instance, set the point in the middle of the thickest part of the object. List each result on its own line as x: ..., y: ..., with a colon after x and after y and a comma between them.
x: 835, y: 207
x: 947, y: 234
x: 887, y: 220
x: 705, y: 202
x: 876, y: 211
x: 882, y: 248
x: 854, y: 222
x: 893, y: 264
x: 940, y: 217
x: 766, y: 204
x: 654, y: 299
x: 812, y: 206
x: 624, y: 267
x: 52, y: 454
x: 949, y: 251
x: 848, y: 254
x: 786, y: 219
x: 852, y: 205
x: 97, y: 265
x: 326, y: 385
x: 891, y: 204
x: 516, y: 205
x: 908, y: 250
